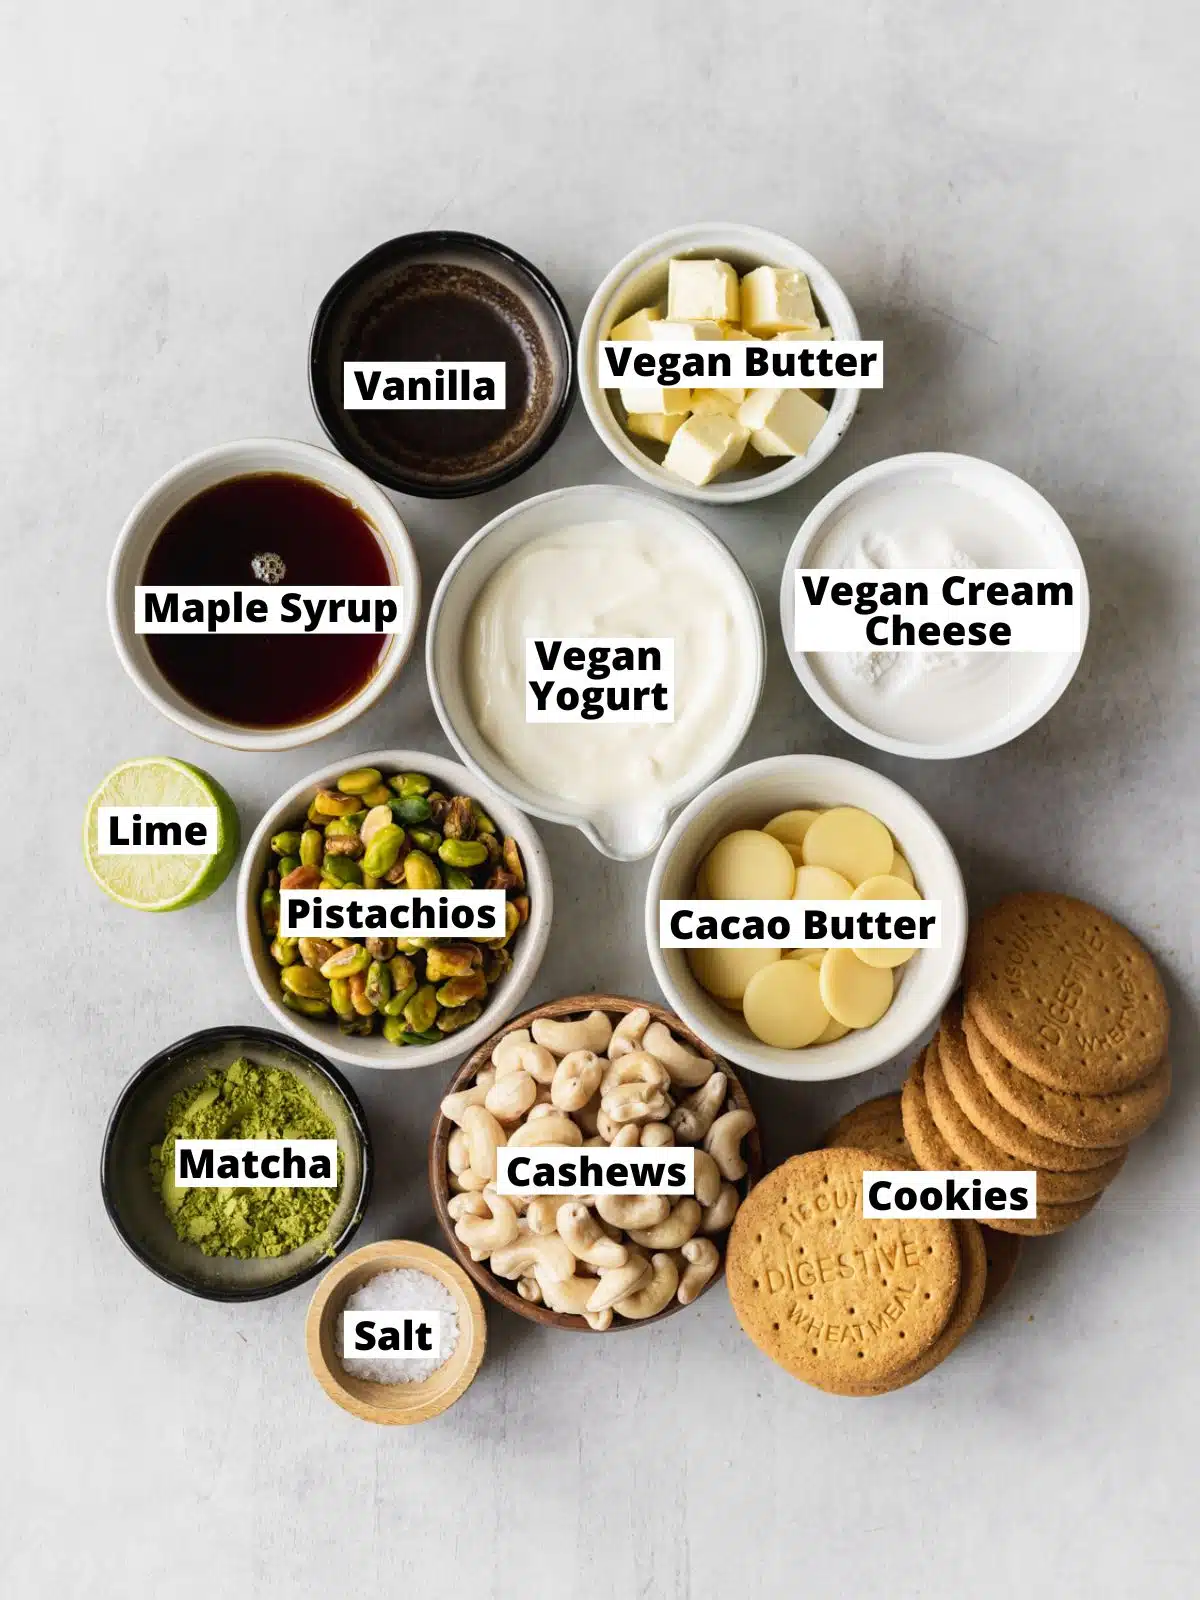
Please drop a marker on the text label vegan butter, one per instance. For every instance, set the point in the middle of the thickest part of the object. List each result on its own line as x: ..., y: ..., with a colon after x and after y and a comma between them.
x: 256, y: 1163
x: 595, y: 680
x: 796, y: 924
x: 963, y: 609
x: 744, y: 363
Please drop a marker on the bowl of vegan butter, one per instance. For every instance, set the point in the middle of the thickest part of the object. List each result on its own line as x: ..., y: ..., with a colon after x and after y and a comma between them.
x: 596, y: 655
x: 991, y: 555
x: 683, y: 290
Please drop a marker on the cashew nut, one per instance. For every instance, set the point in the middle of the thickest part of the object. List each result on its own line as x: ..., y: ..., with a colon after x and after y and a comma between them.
x: 469, y: 1180
x: 627, y: 1035
x: 601, y: 1321
x: 650, y: 1298
x: 633, y: 1210
x: 635, y: 1102
x: 582, y: 1234
x: 507, y: 1049
x: 576, y: 1080
x: 636, y: 1066
x: 688, y: 1070
x: 484, y: 1138
x: 717, y: 1217
x: 530, y: 1289
x: 569, y: 1295
x: 588, y: 1117
x: 657, y: 1135
x: 467, y: 1204
x: 674, y: 1232
x: 696, y: 1115
x: 526, y: 1254
x: 530, y: 1058
x: 707, y: 1185
x: 454, y: 1105
x: 587, y: 1033
x: 490, y: 1233
x: 615, y: 1285
x: 557, y: 1128
x: 626, y: 1137
x: 458, y: 1154
x: 605, y: 1126
x: 723, y: 1140
x: 542, y: 1213
x: 542, y: 1108
x: 511, y: 1096
x: 703, y: 1258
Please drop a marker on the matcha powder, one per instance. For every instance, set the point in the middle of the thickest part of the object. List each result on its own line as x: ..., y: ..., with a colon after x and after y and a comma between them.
x: 244, y: 1101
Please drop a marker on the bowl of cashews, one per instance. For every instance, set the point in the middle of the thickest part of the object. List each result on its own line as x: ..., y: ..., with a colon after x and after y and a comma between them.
x: 606, y: 1072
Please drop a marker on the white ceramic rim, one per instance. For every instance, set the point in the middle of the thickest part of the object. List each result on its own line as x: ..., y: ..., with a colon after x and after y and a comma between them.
x: 814, y: 527
x: 507, y: 996
x: 774, y: 250
x: 306, y: 460
x: 859, y: 1051
x: 548, y: 812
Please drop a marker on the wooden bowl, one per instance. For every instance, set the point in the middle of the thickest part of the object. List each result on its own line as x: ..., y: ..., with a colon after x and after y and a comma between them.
x: 393, y: 1402
x: 500, y: 1289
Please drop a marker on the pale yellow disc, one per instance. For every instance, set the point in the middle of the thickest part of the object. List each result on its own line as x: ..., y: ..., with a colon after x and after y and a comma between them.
x: 885, y: 887
x: 851, y: 842
x: 749, y: 865
x: 851, y: 991
x: 901, y: 869
x: 814, y: 955
x: 725, y: 973
x: 789, y: 827
x: 795, y: 852
x: 835, y: 1031
x: 783, y: 1005
x: 818, y: 883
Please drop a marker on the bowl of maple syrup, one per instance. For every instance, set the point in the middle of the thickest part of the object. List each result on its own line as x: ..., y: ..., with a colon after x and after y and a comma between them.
x: 256, y: 516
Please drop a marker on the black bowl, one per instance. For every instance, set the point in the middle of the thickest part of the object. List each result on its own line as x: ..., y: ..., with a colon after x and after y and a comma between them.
x: 136, y: 1210
x: 365, y: 286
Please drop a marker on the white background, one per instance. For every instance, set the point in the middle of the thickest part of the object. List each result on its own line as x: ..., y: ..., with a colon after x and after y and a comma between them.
x: 1006, y: 193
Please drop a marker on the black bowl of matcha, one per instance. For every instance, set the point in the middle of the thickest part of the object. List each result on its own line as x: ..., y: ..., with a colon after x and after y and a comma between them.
x: 241, y: 1242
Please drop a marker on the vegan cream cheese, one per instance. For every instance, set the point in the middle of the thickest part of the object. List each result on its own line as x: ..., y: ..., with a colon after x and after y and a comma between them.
x: 613, y: 580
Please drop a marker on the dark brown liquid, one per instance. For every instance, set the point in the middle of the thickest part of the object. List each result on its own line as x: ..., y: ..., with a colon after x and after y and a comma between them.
x: 267, y: 680
x: 452, y: 315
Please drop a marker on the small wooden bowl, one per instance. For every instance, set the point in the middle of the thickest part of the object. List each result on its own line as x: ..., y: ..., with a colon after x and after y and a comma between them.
x: 439, y: 1139
x: 393, y: 1402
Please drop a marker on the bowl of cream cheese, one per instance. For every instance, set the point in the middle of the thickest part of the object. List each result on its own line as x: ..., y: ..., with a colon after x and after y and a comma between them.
x: 625, y: 619
x: 933, y: 513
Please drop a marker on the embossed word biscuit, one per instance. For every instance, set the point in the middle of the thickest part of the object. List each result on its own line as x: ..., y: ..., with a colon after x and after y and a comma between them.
x: 976, y: 1151
x: 833, y: 1297
x: 993, y: 1121
x: 875, y: 1125
x: 1091, y: 1121
x: 972, y: 1289
x: 1066, y: 994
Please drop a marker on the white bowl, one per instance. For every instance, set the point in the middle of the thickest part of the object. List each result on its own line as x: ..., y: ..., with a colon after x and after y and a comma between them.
x: 750, y: 796
x: 1001, y: 490
x: 529, y: 945
x: 640, y: 279
x: 190, y: 478
x: 633, y: 834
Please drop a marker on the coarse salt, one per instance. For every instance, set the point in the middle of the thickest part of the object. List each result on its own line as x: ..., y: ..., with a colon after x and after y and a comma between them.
x: 404, y: 1289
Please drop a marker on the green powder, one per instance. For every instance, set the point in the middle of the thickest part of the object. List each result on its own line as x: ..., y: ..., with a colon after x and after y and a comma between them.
x: 244, y: 1101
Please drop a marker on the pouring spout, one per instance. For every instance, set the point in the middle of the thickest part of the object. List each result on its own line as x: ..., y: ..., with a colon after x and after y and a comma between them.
x: 626, y: 835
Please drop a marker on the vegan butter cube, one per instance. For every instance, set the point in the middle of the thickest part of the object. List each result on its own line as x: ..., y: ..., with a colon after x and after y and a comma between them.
x: 782, y: 422
x: 705, y: 446
x: 659, y: 425
x: 668, y: 332
x: 645, y: 399
x: 775, y: 299
x: 710, y: 402
x: 702, y: 291
x: 639, y: 325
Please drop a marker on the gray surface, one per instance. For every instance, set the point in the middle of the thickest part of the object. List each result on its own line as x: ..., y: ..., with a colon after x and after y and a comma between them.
x: 1003, y: 192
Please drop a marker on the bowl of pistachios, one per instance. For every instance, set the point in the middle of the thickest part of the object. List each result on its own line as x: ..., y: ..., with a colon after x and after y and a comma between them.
x: 398, y: 821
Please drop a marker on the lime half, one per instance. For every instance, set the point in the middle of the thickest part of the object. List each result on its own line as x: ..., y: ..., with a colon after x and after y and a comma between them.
x: 161, y: 883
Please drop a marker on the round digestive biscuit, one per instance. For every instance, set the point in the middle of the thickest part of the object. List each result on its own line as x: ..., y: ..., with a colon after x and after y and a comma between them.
x: 725, y: 973
x: 993, y: 1121
x: 1090, y: 1122
x: 978, y: 1153
x: 929, y: 1149
x: 1066, y: 994
x: 849, y: 841
x: 1003, y: 1250
x: 828, y: 1294
x: 885, y: 887
x: 876, y: 1125
x: 782, y: 1005
x: 852, y: 992
x: 1050, y: 1219
x: 748, y: 865
x: 972, y: 1291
